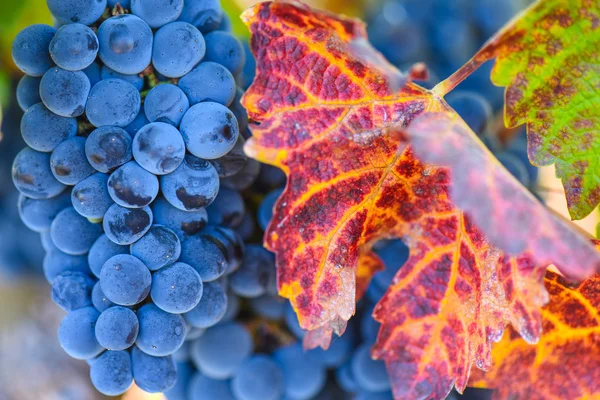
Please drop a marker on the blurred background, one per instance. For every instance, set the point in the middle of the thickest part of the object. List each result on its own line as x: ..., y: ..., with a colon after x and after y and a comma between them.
x: 443, y: 34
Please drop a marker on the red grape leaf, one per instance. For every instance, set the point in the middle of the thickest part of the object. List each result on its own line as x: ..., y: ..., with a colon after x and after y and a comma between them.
x: 549, y: 61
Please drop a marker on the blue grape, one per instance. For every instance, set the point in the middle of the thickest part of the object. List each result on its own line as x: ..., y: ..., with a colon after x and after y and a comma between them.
x: 232, y: 162
x: 209, y: 81
x: 291, y: 321
x: 232, y: 242
x: 83, y: 11
x: 265, y: 210
x: 32, y: 176
x: 516, y: 167
x: 393, y: 253
x: 490, y: 16
x: 209, y: 130
x: 138, y: 123
x: 161, y: 333
x: 159, y: 148
x: 184, y: 374
x: 183, y: 223
x: 132, y: 186
x: 374, y: 396
x: 473, y: 108
x: 74, y: 47
x: 123, y: 3
x: 153, y: 374
x: 369, y: 327
x: 157, y: 13
x: 227, y: 210
x: 303, y: 377
x: 47, y: 243
x: 125, y: 226
x: 76, y: 333
x: 72, y: 290
x: 90, y: 197
x: 93, y: 73
x: 270, y: 307
x: 69, y: 163
x: 38, y: 215
x: 28, y: 92
x: 178, y: 48
x: 241, y: 115
x: 72, y: 233
x: 211, y: 308
x: 370, y: 374
x: 158, y: 248
x: 345, y: 379
x: 117, y: 328
x: 182, y: 354
x: 56, y: 262
x: 257, y: 275
x: 205, y: 15
x: 225, y: 24
x: 338, y: 352
x: 166, y: 103
x: 271, y: 177
x: 125, y: 44
x: 249, y: 70
x: 221, y: 350
x: 136, y: 80
x: 243, y: 179
x: 107, y: 148
x: 176, y: 289
x: 518, y: 147
x: 112, y: 102
x: 247, y: 227
x: 225, y: 49
x: 206, y: 254
x: 111, y: 373
x: 204, y: 388
x: 375, y: 292
x: 30, y: 49
x: 65, y: 92
x: 192, y: 186
x: 233, y: 308
x: 55, y: 129
x: 258, y: 378
x: 99, y: 299
x: 125, y: 280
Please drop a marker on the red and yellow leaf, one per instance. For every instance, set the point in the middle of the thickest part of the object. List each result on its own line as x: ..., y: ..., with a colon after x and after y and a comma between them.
x: 549, y: 60
x: 565, y: 363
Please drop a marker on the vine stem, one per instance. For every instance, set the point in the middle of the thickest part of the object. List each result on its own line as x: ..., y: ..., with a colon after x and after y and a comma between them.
x: 448, y: 84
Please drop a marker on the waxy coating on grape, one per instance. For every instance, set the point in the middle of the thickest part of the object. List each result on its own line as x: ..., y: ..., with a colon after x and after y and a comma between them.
x: 183, y: 223
x: 177, y: 288
x: 112, y: 102
x: 77, y: 335
x: 153, y: 374
x: 205, y: 15
x: 209, y: 81
x: 159, y: 148
x: 166, y: 103
x: 72, y: 290
x: 157, y: 13
x: 225, y: 49
x: 90, y: 197
x: 111, y: 373
x: 83, y: 11
x: 132, y: 186
x: 117, y: 328
x: 43, y: 130
x: 161, y: 333
x: 56, y: 262
x: 30, y: 49
x: 72, y: 233
x: 158, y: 248
x: 65, y: 92
x: 178, y: 48
x: 69, y: 163
x: 136, y: 79
x: 74, y: 47
x: 125, y: 280
x: 108, y: 147
x: 99, y: 299
x: 28, y: 92
x: 38, y: 214
x: 125, y: 226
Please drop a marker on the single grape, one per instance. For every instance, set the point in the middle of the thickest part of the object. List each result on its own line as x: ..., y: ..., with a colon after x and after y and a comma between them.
x: 32, y: 176
x: 83, y: 11
x: 233, y: 308
x: 158, y: 248
x: 90, y: 197
x: 207, y: 254
x: 111, y: 373
x: 339, y: 351
x: 303, y: 377
x: 72, y: 290
x: 76, y: 333
x: 473, y: 108
x: 56, y: 129
x: 72, y: 233
x: 516, y: 167
x: 205, y: 15
x: 112, y: 102
x: 139, y: 122
x: 132, y: 186
x: 221, y: 350
x: 153, y: 374
x: 108, y: 147
x: 265, y: 210
x: 258, y: 378
x: 56, y: 262
x: 74, y: 47
x: 47, y: 243
x: 125, y: 44
x: 209, y: 81
x: 161, y: 333
x: 183, y: 223
x: 291, y: 321
x: 369, y: 327
x: 192, y: 186
x: 370, y: 374
x: 136, y: 80
x: 204, y: 388
x: 184, y: 374
x: 211, y: 308
x: 267, y: 306
x: 209, y: 130
x: 99, y: 299
x: 166, y: 103
x: 157, y: 13
x: 125, y: 280
x: 227, y: 210
x: 117, y: 328
x: 232, y: 162
x: 30, y: 49
x: 93, y: 73
x: 125, y: 226
x: 28, y: 92
x: 393, y: 253
x: 177, y: 288
x: 38, y: 215
x: 178, y: 48
x: 69, y: 163
x: 245, y: 178
x: 65, y: 92
x: 257, y: 275
x: 159, y: 148
x: 345, y: 379
x: 225, y: 49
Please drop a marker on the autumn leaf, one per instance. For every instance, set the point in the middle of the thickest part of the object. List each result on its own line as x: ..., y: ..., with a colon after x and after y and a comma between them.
x: 565, y: 363
x: 549, y: 60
